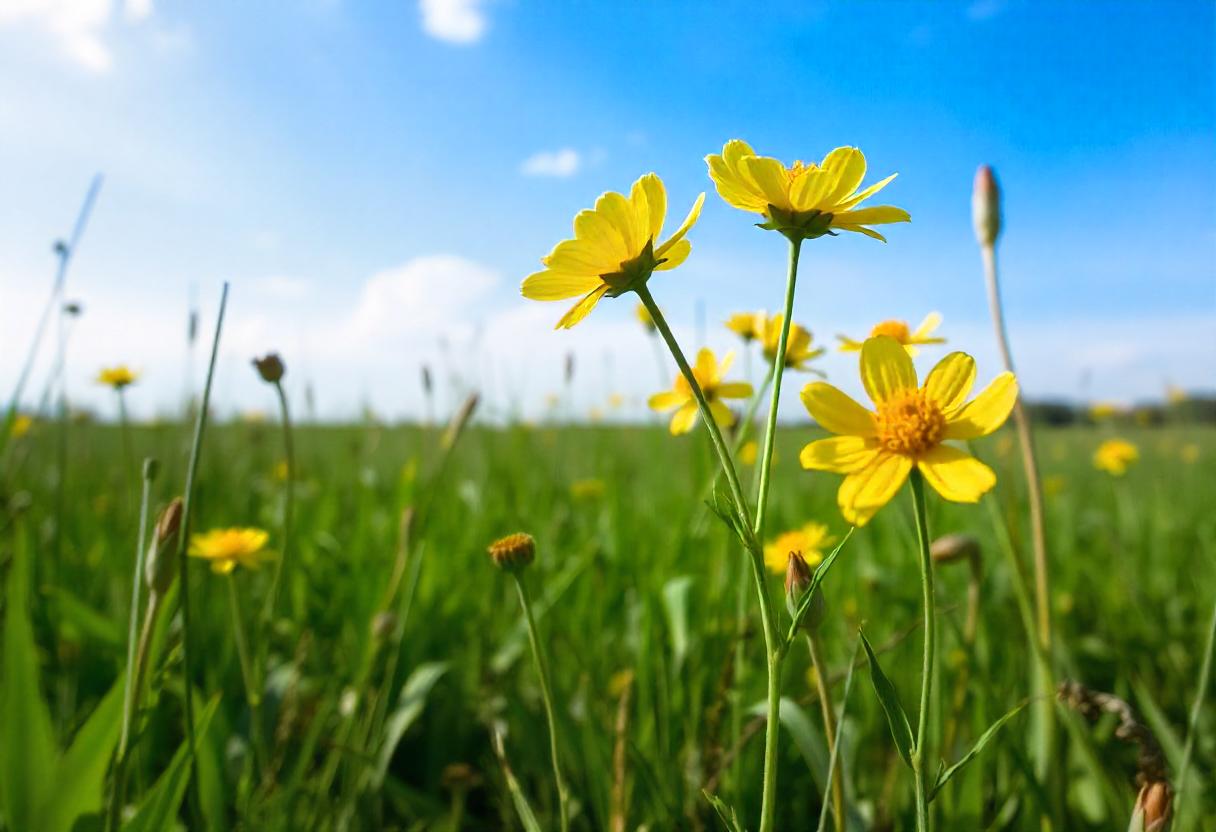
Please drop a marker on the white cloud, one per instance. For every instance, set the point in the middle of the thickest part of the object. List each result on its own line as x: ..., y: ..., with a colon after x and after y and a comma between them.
x: 564, y: 162
x: 79, y: 26
x: 454, y: 21
x: 137, y: 10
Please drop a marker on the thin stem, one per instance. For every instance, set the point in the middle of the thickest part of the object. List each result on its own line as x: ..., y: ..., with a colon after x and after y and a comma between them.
x: 815, y: 642
x: 1201, y: 692
x: 920, y: 754
x: 288, y: 502
x: 546, y: 689
x: 124, y: 427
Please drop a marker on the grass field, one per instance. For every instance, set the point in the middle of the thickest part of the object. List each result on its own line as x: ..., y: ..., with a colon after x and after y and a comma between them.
x: 637, y: 594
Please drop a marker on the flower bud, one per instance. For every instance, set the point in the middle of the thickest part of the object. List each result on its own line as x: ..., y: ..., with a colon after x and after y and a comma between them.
x: 797, y: 582
x: 270, y: 367
x: 513, y: 552
x: 151, y: 469
x: 986, y: 207
x: 1154, y: 808
x: 160, y: 568
x: 954, y: 547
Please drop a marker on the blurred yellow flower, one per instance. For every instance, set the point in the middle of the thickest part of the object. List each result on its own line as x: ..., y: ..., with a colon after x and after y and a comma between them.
x: 708, y: 373
x: 808, y: 541
x: 1053, y: 485
x: 587, y: 489
x: 1115, y: 456
x: 878, y: 450
x: 280, y: 471
x: 749, y: 452
x: 900, y: 331
x: 228, y: 548
x: 797, y: 347
x: 1101, y: 411
x: 644, y: 317
x: 1190, y: 453
x: 616, y: 401
x: 1175, y: 394
x: 802, y: 200
x: 596, y: 414
x: 615, y: 249
x: 21, y: 426
x: 117, y: 377
x: 747, y: 325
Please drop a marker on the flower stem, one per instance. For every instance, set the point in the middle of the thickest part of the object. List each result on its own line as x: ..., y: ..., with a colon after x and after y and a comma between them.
x: 546, y: 689
x: 288, y: 502
x: 815, y: 643
x: 920, y: 753
x: 1201, y: 690
x: 253, y: 694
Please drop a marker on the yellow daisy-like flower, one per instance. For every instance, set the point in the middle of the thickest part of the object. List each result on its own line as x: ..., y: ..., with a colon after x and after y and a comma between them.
x: 798, y: 349
x: 802, y: 201
x: 747, y: 325
x: 615, y: 249
x: 708, y: 373
x: 644, y: 318
x: 228, y: 548
x: 1115, y: 456
x: 22, y: 425
x: 808, y: 541
x: 1103, y: 411
x: 877, y: 450
x: 1190, y: 453
x: 117, y: 377
x: 900, y: 331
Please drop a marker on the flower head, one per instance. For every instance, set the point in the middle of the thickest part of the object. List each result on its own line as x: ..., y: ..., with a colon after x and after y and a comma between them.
x: 708, y: 373
x: 901, y: 332
x: 23, y: 423
x: 117, y: 377
x: 877, y: 450
x: 270, y: 367
x: 747, y: 325
x: 808, y: 541
x: 644, y: 318
x: 515, y: 551
x: 798, y: 349
x: 1115, y: 456
x: 986, y: 206
x: 802, y: 201
x: 615, y: 249
x: 228, y: 548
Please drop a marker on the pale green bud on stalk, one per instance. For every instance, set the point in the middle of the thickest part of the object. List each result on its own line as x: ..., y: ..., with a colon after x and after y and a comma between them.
x: 161, y: 566
x: 955, y: 547
x: 986, y: 207
x: 797, y: 582
x: 1154, y: 808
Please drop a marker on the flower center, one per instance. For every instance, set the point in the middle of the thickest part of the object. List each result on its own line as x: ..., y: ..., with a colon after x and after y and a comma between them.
x: 794, y: 170
x: 895, y: 329
x: 909, y: 423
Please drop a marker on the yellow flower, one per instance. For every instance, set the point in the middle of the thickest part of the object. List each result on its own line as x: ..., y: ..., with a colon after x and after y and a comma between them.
x: 616, y: 401
x: 797, y: 348
x: 1175, y: 394
x: 708, y: 373
x: 644, y: 317
x: 587, y: 489
x: 228, y: 548
x: 117, y: 377
x: 808, y: 541
x: 747, y: 325
x: 802, y: 201
x: 900, y: 331
x: 1190, y: 453
x: 1101, y: 411
x: 749, y: 452
x: 1115, y: 456
x: 280, y: 471
x: 21, y: 426
x: 615, y: 249
x: 878, y: 450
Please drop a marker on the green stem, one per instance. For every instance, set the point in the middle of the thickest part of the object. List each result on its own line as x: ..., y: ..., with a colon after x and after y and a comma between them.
x: 288, y: 503
x: 920, y: 754
x: 253, y: 690
x: 1201, y: 691
x: 815, y: 643
x: 546, y: 689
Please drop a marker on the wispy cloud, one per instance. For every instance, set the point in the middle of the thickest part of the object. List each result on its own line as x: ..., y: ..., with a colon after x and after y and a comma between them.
x: 454, y: 21
x: 80, y: 27
x: 564, y: 162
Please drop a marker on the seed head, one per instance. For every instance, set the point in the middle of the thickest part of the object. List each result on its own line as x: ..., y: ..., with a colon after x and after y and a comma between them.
x: 986, y: 207
x: 270, y: 367
x: 513, y: 552
x: 160, y: 568
x: 954, y: 547
x: 1154, y: 808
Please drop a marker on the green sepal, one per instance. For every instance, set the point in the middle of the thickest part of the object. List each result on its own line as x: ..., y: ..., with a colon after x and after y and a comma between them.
x: 798, y: 225
x: 633, y: 273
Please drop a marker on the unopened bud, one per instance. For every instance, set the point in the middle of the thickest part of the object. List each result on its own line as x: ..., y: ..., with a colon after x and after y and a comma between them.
x: 151, y: 469
x: 160, y: 567
x: 954, y: 547
x: 270, y: 367
x: 515, y: 551
x: 1154, y: 808
x: 459, y: 421
x: 986, y: 207
x: 797, y: 582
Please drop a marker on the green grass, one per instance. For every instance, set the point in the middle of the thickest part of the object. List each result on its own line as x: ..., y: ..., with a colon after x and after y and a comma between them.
x: 634, y: 582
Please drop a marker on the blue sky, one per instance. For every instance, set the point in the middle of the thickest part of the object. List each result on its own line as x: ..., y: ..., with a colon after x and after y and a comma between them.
x: 375, y: 178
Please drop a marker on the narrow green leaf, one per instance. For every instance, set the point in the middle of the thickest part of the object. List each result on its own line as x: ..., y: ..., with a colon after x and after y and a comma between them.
x: 522, y: 808
x: 834, y: 759
x: 901, y: 730
x: 725, y: 811
x: 805, y: 733
x: 70, y: 611
x: 821, y: 572
x: 80, y: 773
x: 943, y: 777
x: 675, y: 603
x: 162, y: 803
x: 410, y: 703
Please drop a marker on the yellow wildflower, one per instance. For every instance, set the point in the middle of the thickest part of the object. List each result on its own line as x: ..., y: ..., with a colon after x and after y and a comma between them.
x: 802, y: 201
x: 21, y: 425
x: 615, y: 249
x: 1175, y: 394
x: 1190, y: 453
x: 747, y: 325
x: 708, y: 373
x: 749, y: 452
x: 878, y: 450
x: 616, y: 401
x: 587, y: 489
x: 1102, y: 411
x: 117, y: 377
x: 1115, y: 456
x: 228, y: 548
x: 644, y: 317
x: 900, y: 331
x: 797, y: 347
x: 280, y: 471
x: 808, y: 541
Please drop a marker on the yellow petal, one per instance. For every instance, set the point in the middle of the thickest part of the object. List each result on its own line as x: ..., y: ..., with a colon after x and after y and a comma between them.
x: 549, y: 285
x: 836, y: 411
x: 706, y: 368
x: 580, y: 257
x: 667, y: 400
x: 685, y: 419
x: 951, y: 380
x: 847, y: 166
x: 847, y: 344
x: 734, y: 150
x: 839, y: 454
x: 931, y: 322
x: 223, y: 567
x: 689, y: 221
x: 878, y: 215
x: 674, y: 255
x: 734, y: 390
x: 865, y: 491
x: 650, y: 205
x: 724, y: 367
x: 582, y: 308
x: 955, y: 474
x: 596, y: 230
x: 810, y: 187
x: 769, y: 177
x: 733, y: 188
x: 860, y: 229
x: 861, y: 196
x: 886, y: 369
x: 986, y: 412
x: 618, y: 212
x: 722, y: 414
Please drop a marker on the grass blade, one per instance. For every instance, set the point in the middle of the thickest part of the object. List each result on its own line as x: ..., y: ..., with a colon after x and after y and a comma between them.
x: 944, y: 777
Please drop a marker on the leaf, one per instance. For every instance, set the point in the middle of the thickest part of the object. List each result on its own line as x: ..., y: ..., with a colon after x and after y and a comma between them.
x: 522, y: 808
x: 725, y: 811
x: 834, y: 759
x: 162, y: 803
x: 901, y: 731
x: 73, y: 612
x: 943, y: 777
x: 808, y: 596
x: 410, y: 703
x: 675, y: 603
x: 27, y: 741
x: 80, y: 773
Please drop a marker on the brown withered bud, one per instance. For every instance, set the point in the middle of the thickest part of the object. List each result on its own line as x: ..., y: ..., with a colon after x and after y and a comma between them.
x: 515, y: 551
x: 460, y: 777
x: 270, y: 367
x: 986, y: 207
x: 160, y: 568
x: 1154, y: 808
x: 383, y: 625
x: 954, y: 547
x: 797, y: 582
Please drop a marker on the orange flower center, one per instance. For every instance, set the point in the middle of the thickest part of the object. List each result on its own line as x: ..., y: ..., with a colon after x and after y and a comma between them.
x: 895, y: 329
x: 909, y: 423
x: 794, y: 170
